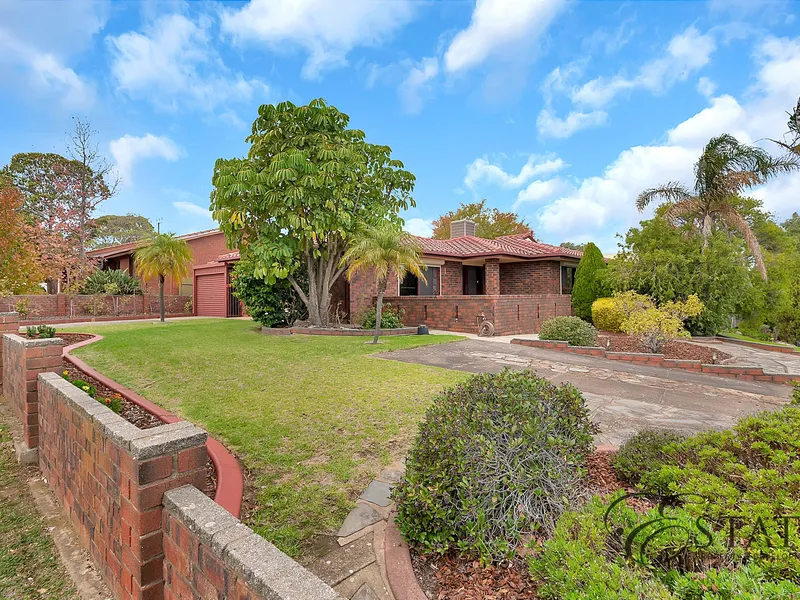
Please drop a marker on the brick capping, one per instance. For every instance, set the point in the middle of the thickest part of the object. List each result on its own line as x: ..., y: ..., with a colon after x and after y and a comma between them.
x: 743, y: 372
x: 208, y: 554
x: 336, y: 332
x: 230, y: 483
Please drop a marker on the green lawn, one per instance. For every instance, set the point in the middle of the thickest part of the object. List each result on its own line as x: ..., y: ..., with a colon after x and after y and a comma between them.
x: 29, y: 565
x: 313, y: 419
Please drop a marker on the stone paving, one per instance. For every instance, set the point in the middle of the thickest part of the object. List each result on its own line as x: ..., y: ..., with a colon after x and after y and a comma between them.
x: 355, y: 567
x: 771, y: 362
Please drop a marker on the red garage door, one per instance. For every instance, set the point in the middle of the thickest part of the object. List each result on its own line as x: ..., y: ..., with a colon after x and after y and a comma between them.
x: 211, y: 292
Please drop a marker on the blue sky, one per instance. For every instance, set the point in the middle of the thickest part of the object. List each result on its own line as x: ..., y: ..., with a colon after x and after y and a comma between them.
x: 561, y: 110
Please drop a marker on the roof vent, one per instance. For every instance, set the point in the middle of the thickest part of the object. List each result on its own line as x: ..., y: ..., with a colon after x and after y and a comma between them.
x: 462, y: 228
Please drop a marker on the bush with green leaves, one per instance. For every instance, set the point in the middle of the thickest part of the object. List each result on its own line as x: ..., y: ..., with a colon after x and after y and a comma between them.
x: 647, y: 450
x: 748, y: 582
x: 391, y: 318
x: 41, y: 332
x: 497, y: 458
x: 590, y: 282
x: 655, y: 326
x: 112, y: 282
x: 574, y: 330
x: 271, y: 305
x: 607, y: 315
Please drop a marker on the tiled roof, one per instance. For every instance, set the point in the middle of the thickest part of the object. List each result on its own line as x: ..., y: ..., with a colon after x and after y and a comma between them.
x: 521, y: 245
x: 109, y: 251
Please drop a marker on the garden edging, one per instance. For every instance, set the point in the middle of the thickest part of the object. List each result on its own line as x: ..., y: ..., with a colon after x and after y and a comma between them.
x: 745, y: 373
x: 230, y: 483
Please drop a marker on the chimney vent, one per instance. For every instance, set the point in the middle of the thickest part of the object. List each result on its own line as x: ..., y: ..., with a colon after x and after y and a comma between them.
x: 462, y: 228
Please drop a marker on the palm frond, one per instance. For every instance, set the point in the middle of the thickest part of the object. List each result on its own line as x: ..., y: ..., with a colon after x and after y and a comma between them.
x: 670, y: 192
x: 164, y: 255
x: 734, y: 219
x: 690, y: 207
x: 382, y: 250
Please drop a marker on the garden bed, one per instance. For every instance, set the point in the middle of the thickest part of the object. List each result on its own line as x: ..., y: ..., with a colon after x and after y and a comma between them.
x: 675, y: 350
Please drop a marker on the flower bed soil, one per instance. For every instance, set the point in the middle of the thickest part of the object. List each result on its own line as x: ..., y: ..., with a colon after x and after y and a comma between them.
x: 455, y: 578
x: 616, y: 342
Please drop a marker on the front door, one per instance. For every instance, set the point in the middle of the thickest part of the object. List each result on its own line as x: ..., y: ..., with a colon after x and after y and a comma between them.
x: 473, y: 280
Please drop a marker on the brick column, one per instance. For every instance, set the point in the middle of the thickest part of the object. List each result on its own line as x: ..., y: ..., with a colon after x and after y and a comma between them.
x: 23, y: 360
x: 493, y: 277
x: 452, y: 278
x: 9, y: 323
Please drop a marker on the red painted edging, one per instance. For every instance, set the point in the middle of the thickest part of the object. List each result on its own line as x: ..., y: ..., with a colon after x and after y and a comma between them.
x: 399, y: 571
x: 230, y: 483
x: 92, y: 319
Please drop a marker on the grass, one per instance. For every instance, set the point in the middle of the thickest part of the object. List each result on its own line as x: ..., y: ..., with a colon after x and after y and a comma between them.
x: 29, y: 567
x: 313, y: 419
x: 746, y: 338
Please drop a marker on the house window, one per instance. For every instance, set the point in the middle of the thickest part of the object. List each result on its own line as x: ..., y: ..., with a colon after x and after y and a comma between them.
x: 473, y: 280
x: 187, y: 287
x: 414, y: 286
x: 567, y: 279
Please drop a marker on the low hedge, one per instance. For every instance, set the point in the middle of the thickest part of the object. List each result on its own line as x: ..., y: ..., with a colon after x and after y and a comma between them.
x: 574, y: 330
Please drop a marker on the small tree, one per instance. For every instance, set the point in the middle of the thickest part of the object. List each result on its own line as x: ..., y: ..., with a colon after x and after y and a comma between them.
x: 162, y: 256
x: 589, y: 281
x: 383, y: 249
x: 20, y: 268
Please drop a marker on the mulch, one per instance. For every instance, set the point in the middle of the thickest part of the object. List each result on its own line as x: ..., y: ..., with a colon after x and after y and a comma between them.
x: 617, y: 342
x: 131, y: 412
x: 456, y: 578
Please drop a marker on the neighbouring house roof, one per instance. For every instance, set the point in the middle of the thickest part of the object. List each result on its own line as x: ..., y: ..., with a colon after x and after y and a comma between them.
x: 521, y: 245
x: 122, y: 249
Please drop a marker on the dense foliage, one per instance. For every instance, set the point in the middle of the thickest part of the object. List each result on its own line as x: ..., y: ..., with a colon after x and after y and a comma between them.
x: 654, y: 325
x: 490, y: 223
x: 391, y: 318
x: 644, y: 451
x: 110, y: 230
x: 307, y: 185
x: 607, y: 315
x: 271, y: 305
x: 574, y: 330
x: 40, y: 331
x: 590, y: 282
x: 496, y: 458
x: 20, y: 269
x: 116, y: 282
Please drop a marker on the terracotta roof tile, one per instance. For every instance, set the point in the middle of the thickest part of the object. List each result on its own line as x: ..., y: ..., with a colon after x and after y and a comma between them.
x: 521, y: 245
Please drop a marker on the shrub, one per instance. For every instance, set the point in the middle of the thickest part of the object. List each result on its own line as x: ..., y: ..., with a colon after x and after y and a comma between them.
x: 748, y: 582
x: 271, y: 305
x: 645, y: 451
x: 497, y: 457
x: 40, y: 332
x: 656, y: 326
x: 391, y: 318
x: 589, y: 281
x: 114, y: 282
x: 574, y: 330
x: 22, y: 306
x: 606, y: 314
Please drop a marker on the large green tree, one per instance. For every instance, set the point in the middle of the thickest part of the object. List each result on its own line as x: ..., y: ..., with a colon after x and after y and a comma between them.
x: 725, y: 171
x: 590, y: 283
x: 307, y: 184
x: 490, y: 223
x: 110, y: 230
x: 383, y: 250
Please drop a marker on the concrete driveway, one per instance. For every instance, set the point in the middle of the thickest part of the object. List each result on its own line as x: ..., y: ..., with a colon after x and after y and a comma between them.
x: 623, y: 398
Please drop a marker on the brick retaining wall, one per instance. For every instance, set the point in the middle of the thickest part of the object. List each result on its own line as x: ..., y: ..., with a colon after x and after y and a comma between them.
x: 9, y: 323
x: 23, y: 360
x: 209, y: 554
x: 110, y: 478
x: 744, y: 373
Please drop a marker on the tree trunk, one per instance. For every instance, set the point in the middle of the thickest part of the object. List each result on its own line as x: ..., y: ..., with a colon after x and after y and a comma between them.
x: 323, y: 272
x: 161, y: 296
x: 379, y: 309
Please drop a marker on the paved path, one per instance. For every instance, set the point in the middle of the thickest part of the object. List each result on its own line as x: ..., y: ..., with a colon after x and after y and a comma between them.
x: 771, y: 362
x: 623, y: 398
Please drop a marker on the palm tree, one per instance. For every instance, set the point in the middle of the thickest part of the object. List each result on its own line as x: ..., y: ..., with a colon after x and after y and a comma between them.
x: 724, y: 171
x: 163, y: 256
x: 382, y: 250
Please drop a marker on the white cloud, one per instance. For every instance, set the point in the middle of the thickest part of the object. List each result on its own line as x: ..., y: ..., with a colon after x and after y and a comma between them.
x: 190, y: 209
x: 416, y: 85
x: 174, y: 62
x: 130, y: 149
x: 499, y: 26
x: 540, y: 190
x: 550, y: 125
x: 326, y: 30
x: 420, y: 227
x: 706, y: 87
x: 482, y: 170
x: 605, y: 204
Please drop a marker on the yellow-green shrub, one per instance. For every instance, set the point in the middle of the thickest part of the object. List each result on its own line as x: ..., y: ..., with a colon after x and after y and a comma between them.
x: 655, y: 326
x: 606, y: 314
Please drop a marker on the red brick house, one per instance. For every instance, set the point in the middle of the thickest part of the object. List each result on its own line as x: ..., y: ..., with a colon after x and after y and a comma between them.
x: 515, y: 281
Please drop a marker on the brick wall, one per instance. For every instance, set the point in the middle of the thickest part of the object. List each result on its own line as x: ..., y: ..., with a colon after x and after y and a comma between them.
x: 42, y: 308
x: 510, y: 314
x: 452, y: 278
x: 540, y: 277
x: 492, y: 276
x: 209, y: 554
x: 111, y: 477
x: 23, y: 360
x: 363, y: 290
x: 9, y: 323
